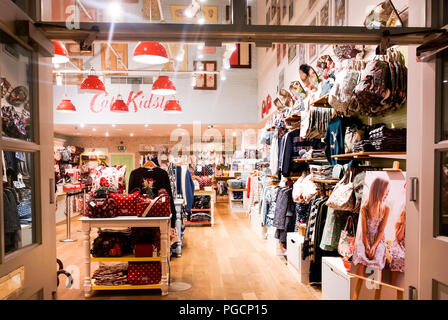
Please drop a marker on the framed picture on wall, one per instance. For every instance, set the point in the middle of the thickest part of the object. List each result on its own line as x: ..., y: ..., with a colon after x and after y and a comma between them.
x: 292, y: 52
x: 284, y: 8
x: 205, y: 81
x: 72, y: 79
x: 242, y: 56
x: 110, y: 61
x: 324, y: 18
x: 340, y: 12
x: 301, y: 53
x: 291, y: 9
x: 281, y: 79
x: 279, y: 54
x: 312, y: 48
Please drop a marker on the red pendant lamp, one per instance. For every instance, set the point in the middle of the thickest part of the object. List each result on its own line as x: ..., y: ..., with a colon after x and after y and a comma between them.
x: 150, y: 53
x: 65, y: 106
x: 163, y: 86
x: 92, y: 84
x: 60, y: 53
x: 172, y: 106
x: 119, y: 105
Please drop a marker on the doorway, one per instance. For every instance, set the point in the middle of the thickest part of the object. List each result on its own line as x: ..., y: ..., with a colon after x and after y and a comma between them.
x: 123, y: 159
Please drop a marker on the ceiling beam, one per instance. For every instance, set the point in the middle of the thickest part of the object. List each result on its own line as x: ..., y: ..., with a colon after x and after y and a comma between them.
x: 217, y: 33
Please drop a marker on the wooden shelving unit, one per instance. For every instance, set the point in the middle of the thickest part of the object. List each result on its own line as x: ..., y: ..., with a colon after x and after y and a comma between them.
x: 309, y: 160
x: 371, y: 155
x: 233, y: 201
x: 325, y: 181
x: 293, y: 118
x: 124, y: 259
x: 126, y: 287
x: 293, y: 127
x: 321, y: 102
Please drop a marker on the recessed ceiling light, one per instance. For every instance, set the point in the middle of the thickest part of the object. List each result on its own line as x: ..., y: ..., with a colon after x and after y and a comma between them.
x: 115, y: 10
x: 93, y: 129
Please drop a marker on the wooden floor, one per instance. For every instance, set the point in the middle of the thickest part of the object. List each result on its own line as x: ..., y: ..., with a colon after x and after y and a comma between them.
x: 223, y: 262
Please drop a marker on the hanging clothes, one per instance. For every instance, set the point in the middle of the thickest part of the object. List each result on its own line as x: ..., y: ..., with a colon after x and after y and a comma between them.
x: 334, y: 139
x: 185, y: 186
x: 273, y: 165
x: 284, y: 219
x: 268, y: 204
x: 156, y: 179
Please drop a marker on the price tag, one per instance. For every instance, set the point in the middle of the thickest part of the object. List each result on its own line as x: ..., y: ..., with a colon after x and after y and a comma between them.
x: 92, y: 203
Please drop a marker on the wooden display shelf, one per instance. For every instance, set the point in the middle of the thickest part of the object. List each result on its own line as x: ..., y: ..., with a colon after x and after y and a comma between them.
x: 198, y: 223
x: 310, y: 160
x: 321, y: 102
x: 370, y: 155
x: 294, y: 117
x: 266, y: 163
x: 201, y: 210
x: 230, y: 189
x: 126, y: 286
x: 325, y: 181
x: 293, y: 127
x: 124, y: 259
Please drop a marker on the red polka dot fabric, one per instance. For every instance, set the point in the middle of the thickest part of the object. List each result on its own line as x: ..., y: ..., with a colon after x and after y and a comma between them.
x: 126, y: 203
x: 141, y: 273
x: 161, y: 206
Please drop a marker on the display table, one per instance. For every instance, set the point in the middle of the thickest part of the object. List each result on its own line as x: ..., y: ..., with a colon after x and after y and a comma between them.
x: 210, y: 211
x: 163, y: 223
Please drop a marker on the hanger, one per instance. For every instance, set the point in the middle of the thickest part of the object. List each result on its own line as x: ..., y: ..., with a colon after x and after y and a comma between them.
x: 149, y: 164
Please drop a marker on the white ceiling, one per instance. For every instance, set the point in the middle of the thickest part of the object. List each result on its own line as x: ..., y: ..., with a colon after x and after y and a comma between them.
x: 124, y: 130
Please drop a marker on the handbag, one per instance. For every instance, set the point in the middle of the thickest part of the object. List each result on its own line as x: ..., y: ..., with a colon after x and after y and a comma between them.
x: 126, y: 203
x: 346, y: 245
x: 112, y: 243
x: 342, y: 196
x: 101, y: 208
x: 141, y: 273
x: 157, y: 207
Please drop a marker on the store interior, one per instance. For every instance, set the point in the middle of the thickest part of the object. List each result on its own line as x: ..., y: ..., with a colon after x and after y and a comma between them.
x: 274, y: 172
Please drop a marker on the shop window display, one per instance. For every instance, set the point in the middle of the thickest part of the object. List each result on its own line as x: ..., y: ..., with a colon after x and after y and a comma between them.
x: 18, y: 200
x: 16, y: 89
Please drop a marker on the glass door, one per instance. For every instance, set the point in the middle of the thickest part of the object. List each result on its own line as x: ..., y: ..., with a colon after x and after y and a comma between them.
x: 27, y: 222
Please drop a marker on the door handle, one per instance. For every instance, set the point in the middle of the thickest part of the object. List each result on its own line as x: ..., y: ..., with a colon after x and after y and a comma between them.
x: 414, y: 189
x: 51, y: 190
x: 412, y: 293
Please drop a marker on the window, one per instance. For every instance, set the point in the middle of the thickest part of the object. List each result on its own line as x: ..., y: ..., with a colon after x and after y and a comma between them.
x: 17, y: 149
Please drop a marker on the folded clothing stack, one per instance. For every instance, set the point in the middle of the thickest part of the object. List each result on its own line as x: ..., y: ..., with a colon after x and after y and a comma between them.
x: 390, y: 140
x: 363, y: 146
x: 200, y: 217
x: 111, y: 275
x: 318, y: 153
x: 201, y: 202
x: 321, y: 172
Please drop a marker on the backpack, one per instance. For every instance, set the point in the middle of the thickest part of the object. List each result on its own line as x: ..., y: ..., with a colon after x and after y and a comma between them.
x: 341, y: 93
x: 372, y: 94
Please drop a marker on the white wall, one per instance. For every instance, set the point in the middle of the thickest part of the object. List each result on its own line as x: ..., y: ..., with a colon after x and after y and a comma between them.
x: 268, y: 71
x: 234, y: 101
